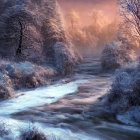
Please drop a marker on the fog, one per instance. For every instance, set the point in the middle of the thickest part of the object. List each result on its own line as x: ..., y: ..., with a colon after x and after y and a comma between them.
x: 109, y: 7
x: 90, y: 24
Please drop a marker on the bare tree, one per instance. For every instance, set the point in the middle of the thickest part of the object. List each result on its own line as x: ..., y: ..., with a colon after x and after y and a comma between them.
x: 130, y: 11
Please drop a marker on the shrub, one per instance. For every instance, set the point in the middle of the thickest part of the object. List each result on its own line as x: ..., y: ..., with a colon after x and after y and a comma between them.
x: 15, y: 76
x: 32, y: 133
x: 125, y: 90
x: 115, y: 55
x: 3, y: 130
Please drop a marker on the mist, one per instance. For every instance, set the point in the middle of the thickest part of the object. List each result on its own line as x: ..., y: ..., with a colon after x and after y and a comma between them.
x: 90, y: 25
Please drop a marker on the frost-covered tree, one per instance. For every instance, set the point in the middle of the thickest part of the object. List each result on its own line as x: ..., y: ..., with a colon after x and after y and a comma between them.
x: 130, y: 11
x: 117, y: 54
x: 73, y: 18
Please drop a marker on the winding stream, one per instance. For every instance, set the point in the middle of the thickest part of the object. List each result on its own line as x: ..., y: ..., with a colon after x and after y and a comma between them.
x: 65, y: 110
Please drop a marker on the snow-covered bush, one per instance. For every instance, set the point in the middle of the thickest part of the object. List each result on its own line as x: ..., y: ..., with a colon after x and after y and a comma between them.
x: 15, y: 76
x: 3, y: 130
x: 32, y: 133
x: 117, y: 54
x: 125, y: 90
x: 6, y: 87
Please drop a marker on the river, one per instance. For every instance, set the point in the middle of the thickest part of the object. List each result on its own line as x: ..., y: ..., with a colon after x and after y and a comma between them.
x: 69, y: 109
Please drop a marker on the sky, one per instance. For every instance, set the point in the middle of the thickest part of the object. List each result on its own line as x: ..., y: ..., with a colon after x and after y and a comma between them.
x: 87, y: 1
x: 84, y: 7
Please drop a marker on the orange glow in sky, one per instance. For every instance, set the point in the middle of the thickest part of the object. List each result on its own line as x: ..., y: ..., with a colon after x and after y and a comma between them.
x: 84, y: 7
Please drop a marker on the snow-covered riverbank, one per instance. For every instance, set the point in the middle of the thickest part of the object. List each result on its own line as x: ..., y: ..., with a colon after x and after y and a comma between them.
x: 62, y: 111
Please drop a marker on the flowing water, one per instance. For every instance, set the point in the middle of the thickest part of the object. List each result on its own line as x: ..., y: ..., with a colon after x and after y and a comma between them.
x: 70, y: 109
